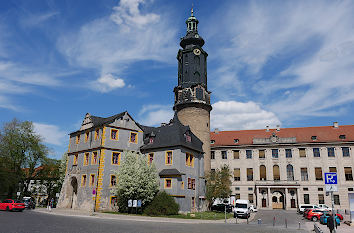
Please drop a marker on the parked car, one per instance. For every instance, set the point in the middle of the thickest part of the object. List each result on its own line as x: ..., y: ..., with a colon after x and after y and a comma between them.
x: 253, y: 208
x: 242, y: 208
x: 306, y: 206
x: 323, y: 207
x: 29, y: 203
x: 304, y: 214
x: 11, y: 205
x: 221, y: 208
x: 325, y: 216
x: 315, y: 214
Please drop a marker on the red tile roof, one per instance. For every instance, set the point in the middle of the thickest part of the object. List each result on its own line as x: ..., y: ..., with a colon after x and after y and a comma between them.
x: 303, y: 135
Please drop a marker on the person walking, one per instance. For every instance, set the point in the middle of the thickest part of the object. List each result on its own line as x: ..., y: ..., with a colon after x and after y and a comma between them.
x: 330, y: 222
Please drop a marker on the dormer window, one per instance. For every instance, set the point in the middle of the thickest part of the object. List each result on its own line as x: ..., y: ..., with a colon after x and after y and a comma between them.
x: 188, y: 137
x: 342, y: 136
x: 236, y: 140
x: 212, y: 141
x: 151, y: 140
x: 314, y: 138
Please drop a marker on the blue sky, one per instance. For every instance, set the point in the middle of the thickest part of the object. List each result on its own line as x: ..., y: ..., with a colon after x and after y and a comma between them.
x: 270, y: 62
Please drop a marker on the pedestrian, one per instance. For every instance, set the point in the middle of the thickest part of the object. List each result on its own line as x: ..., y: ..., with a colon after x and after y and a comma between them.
x: 330, y: 222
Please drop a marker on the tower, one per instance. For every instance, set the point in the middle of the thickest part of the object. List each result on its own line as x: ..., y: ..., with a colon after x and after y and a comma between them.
x: 192, y: 98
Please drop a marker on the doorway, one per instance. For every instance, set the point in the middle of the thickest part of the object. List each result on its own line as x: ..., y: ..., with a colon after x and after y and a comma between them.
x: 278, y: 200
x: 74, y: 192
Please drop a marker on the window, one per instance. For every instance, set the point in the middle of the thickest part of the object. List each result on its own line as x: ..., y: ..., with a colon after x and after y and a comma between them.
x: 250, y: 197
x: 191, y: 183
x: 336, y: 199
x: 83, y: 181
x: 237, y: 188
x: 193, y: 202
x: 332, y: 169
x: 151, y: 158
x: 86, y: 158
x: 275, y: 153
x: 212, y: 154
x: 114, y: 134
x: 345, y: 151
x: 94, y: 158
x: 133, y: 137
x: 321, y: 199
x: 304, y: 175
x: 276, y: 173
x: 348, y: 173
x: 316, y: 152
x: 263, y: 172
x: 188, y: 137
x: 236, y: 154
x: 168, y: 183
x: 77, y: 139
x: 306, y: 199
x: 248, y: 154
x: 250, y: 188
x: 168, y: 158
x: 236, y: 140
x: 182, y: 184
x: 320, y: 189
x: 237, y: 174
x: 114, y: 201
x: 237, y: 196
x: 330, y: 151
x: 113, y: 180
x: 212, y: 141
x: 92, y: 180
x: 288, y: 153
x: 87, y: 134
x: 350, y: 189
x: 290, y: 172
x: 97, y: 134
x: 302, y: 152
x: 342, y: 136
x: 75, y: 159
x: 151, y: 140
x: 115, y: 158
x: 189, y: 160
x: 318, y: 173
x: 305, y: 189
x: 249, y: 174
x: 313, y: 138
x: 261, y: 154
x: 223, y: 154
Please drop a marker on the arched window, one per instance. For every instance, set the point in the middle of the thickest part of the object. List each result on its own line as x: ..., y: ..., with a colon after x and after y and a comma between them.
x: 274, y: 199
x: 290, y: 172
x: 276, y: 173
x: 263, y: 172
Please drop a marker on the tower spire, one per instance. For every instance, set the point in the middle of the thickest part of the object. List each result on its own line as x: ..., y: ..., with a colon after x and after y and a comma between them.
x: 192, y: 10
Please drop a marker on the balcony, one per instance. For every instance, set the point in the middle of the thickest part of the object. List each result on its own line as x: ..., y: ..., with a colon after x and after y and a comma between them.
x: 277, y: 183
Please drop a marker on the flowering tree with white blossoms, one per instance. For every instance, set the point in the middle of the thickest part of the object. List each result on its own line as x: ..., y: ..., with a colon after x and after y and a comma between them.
x: 136, y: 180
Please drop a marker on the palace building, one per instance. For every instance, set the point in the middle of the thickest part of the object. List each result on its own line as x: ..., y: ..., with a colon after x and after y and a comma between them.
x: 284, y: 167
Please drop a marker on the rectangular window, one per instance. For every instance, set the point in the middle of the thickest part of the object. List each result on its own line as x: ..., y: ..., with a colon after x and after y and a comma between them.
x: 133, y: 137
x: 182, y: 184
x: 86, y: 158
x: 288, y: 153
x: 261, y: 154
x: 76, y: 156
x: 94, y: 158
x: 330, y: 151
x: 318, y: 173
x: 249, y: 174
x: 83, y: 181
x: 237, y: 174
x: 250, y: 188
x: 223, y: 154
x: 113, y: 180
x: 321, y: 199
x: 275, y: 153
x: 250, y: 197
x: 168, y: 158
x: 87, y: 134
x: 237, y: 196
x: 304, y: 175
x: 114, y: 134
x: 348, y: 173
x: 193, y: 202
x: 168, y: 183
x: 77, y: 139
x: 316, y: 152
x: 212, y: 154
x: 97, y: 134
x: 332, y: 169
x: 306, y: 199
x: 92, y: 180
x: 320, y: 189
x: 302, y: 152
x: 151, y: 158
x: 336, y: 199
x: 189, y: 160
x: 114, y: 201
x: 191, y: 183
x: 248, y: 154
x: 115, y: 158
x: 237, y: 188
x: 345, y: 151
x: 236, y: 154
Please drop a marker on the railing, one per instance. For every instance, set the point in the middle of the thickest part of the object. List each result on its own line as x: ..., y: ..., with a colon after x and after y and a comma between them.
x: 277, y: 182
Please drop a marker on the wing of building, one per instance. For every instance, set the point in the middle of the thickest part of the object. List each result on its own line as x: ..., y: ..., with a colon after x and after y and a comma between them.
x: 284, y: 167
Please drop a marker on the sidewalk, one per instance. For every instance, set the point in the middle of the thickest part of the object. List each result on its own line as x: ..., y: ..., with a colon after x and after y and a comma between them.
x: 81, y: 213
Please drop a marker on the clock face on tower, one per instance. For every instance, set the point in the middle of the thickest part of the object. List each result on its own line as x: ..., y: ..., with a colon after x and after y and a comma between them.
x: 196, y: 52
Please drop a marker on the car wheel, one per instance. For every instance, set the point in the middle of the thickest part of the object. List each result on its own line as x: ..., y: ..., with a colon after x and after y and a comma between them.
x: 314, y: 219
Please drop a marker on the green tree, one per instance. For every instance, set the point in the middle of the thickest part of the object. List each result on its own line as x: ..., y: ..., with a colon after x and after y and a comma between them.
x: 136, y: 179
x: 162, y: 204
x: 218, y: 184
x: 49, y: 177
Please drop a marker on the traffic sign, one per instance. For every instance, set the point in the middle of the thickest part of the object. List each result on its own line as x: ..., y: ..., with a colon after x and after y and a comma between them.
x: 331, y: 188
x: 331, y: 178
x: 130, y: 203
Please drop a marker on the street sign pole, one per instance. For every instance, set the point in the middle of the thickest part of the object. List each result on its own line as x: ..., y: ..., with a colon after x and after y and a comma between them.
x: 331, y: 186
x: 333, y: 213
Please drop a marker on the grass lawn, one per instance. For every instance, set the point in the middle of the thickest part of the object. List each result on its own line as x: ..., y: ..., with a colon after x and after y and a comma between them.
x: 208, y: 215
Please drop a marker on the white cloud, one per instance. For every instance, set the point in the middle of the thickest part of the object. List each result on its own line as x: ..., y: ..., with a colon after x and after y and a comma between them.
x: 154, y: 115
x: 107, y: 83
x: 51, y: 134
x: 32, y: 20
x: 233, y: 115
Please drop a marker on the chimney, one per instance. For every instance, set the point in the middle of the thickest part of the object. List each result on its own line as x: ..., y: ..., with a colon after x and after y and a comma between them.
x: 267, y: 128
x: 216, y: 130
x: 335, y: 124
x: 278, y: 128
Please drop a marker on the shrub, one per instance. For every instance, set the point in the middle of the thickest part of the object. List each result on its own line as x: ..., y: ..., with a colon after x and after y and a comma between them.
x: 162, y: 204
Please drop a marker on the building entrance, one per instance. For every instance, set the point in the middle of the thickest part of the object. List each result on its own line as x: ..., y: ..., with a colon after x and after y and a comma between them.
x: 74, y: 192
x: 278, y: 200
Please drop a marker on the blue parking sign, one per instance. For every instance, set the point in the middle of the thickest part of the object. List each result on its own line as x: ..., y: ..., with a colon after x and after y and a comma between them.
x: 331, y: 178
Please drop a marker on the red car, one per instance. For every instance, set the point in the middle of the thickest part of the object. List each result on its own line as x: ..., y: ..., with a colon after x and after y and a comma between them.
x: 315, y: 214
x: 10, y: 204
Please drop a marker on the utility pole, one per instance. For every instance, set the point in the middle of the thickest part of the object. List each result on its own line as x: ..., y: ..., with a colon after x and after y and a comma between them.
x: 333, y: 213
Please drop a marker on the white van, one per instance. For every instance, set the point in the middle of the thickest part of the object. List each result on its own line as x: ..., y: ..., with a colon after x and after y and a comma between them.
x: 302, y: 207
x: 242, y: 208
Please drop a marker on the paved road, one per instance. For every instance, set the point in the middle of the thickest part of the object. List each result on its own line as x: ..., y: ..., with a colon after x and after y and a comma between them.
x: 281, y: 218
x: 35, y: 222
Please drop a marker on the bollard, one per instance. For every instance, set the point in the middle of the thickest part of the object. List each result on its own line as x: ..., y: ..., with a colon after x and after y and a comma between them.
x: 247, y: 219
x: 273, y: 221
x: 286, y: 223
x: 299, y: 225
x: 259, y: 221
